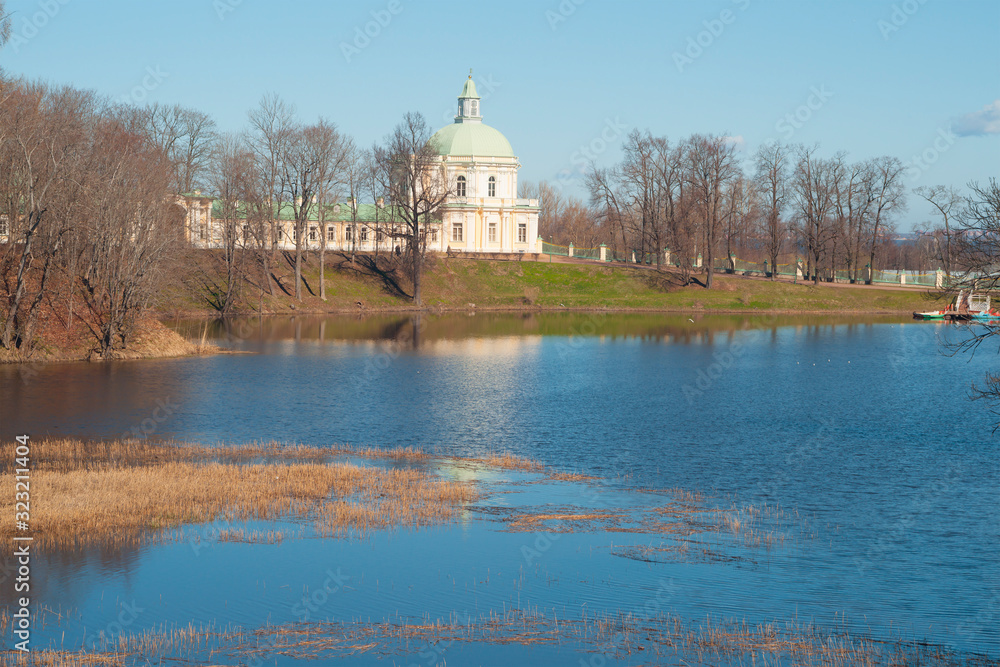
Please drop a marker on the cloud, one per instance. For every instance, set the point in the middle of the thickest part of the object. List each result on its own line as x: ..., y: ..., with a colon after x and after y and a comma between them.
x: 738, y: 141
x: 984, y: 121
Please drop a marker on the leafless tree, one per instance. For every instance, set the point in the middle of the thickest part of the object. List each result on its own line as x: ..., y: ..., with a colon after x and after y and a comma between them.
x: 609, y: 205
x: 4, y: 24
x: 128, y: 233
x: 814, y: 184
x: 947, y: 201
x: 45, y: 143
x: 335, y: 153
x: 550, y: 205
x: 740, y: 212
x: 271, y: 125
x: 772, y: 163
x: 416, y: 186
x: 232, y: 177
x: 888, y: 197
x: 976, y: 255
x: 710, y: 164
x: 853, y: 211
x: 187, y: 137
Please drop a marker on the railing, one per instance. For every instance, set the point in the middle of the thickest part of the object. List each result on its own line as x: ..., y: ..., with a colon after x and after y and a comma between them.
x: 553, y: 249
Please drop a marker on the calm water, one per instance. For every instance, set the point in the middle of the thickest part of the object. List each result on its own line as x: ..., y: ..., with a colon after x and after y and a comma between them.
x: 861, y: 431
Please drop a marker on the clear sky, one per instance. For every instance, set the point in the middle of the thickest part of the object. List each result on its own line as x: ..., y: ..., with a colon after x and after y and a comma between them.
x: 914, y: 78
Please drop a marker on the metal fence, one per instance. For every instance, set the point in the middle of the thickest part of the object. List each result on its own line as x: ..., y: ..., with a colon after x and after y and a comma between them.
x: 748, y: 268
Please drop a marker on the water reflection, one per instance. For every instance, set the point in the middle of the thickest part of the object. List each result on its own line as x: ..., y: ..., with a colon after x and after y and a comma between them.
x: 414, y: 330
x: 842, y: 420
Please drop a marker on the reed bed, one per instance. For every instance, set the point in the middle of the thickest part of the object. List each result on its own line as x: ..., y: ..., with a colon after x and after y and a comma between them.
x: 125, y: 492
x: 618, y: 636
x: 251, y: 537
x: 505, y: 461
x: 64, y: 454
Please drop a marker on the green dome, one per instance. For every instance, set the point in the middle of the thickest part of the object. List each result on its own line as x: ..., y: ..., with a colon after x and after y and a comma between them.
x: 471, y: 139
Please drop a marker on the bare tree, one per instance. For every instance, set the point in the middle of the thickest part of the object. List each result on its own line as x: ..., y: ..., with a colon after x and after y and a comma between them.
x: 46, y: 143
x: 416, y: 186
x: 187, y: 137
x: 609, y: 204
x: 271, y: 125
x: 976, y: 248
x: 947, y: 201
x: 711, y: 162
x: 4, y: 24
x: 888, y: 197
x: 232, y: 183
x: 815, y: 183
x: 772, y: 182
x: 336, y: 154
x: 128, y: 233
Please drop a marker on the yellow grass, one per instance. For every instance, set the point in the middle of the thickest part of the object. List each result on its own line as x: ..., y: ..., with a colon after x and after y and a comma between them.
x: 123, y: 492
x: 662, y: 639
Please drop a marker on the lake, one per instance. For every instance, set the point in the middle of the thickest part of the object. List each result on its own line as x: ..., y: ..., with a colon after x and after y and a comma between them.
x: 858, y: 434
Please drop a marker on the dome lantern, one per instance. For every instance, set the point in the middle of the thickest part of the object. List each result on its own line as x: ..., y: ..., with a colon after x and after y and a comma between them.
x: 468, y: 103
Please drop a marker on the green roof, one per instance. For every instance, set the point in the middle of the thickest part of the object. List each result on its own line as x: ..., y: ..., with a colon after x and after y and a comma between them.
x: 471, y: 139
x: 469, y: 90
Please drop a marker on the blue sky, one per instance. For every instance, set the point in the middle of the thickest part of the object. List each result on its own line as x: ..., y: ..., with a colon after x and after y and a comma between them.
x: 561, y: 78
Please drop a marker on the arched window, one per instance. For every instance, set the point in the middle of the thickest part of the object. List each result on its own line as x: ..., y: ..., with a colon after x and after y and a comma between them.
x: 492, y: 186
x: 460, y: 188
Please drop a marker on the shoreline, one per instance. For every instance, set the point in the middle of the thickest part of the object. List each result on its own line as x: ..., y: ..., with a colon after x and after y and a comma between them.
x: 193, y: 349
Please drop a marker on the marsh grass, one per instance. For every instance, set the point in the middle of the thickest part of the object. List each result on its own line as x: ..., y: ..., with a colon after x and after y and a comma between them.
x: 619, y: 636
x: 127, y: 492
x: 251, y: 537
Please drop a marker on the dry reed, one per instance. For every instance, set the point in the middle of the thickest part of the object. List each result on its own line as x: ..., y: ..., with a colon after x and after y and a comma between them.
x: 123, y: 492
x: 618, y: 636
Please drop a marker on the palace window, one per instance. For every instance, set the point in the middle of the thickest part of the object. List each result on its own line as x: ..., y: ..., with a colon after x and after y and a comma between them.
x: 474, y: 104
x: 492, y: 187
x: 312, y: 233
x: 456, y: 231
x: 331, y: 233
x: 348, y: 233
x: 522, y: 232
x: 493, y: 232
x: 379, y: 236
x: 3, y: 226
x: 434, y: 236
x: 246, y: 233
x: 460, y: 188
x: 364, y: 234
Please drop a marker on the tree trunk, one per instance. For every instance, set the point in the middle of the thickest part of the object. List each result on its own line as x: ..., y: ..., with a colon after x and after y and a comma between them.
x: 298, y: 263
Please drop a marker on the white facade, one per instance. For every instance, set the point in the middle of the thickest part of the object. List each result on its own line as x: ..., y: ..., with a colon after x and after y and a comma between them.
x: 482, y: 213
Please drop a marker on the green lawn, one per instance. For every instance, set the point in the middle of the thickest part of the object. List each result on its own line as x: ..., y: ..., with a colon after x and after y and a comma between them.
x: 455, y: 283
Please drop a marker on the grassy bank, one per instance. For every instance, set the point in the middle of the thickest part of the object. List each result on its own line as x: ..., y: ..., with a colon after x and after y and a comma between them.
x: 463, y: 284
x: 450, y: 284
x: 55, y: 341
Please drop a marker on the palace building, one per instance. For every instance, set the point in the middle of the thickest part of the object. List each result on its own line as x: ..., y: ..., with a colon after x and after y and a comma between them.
x: 482, y: 213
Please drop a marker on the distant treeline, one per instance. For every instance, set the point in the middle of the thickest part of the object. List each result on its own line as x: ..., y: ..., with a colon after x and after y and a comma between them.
x: 698, y: 196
